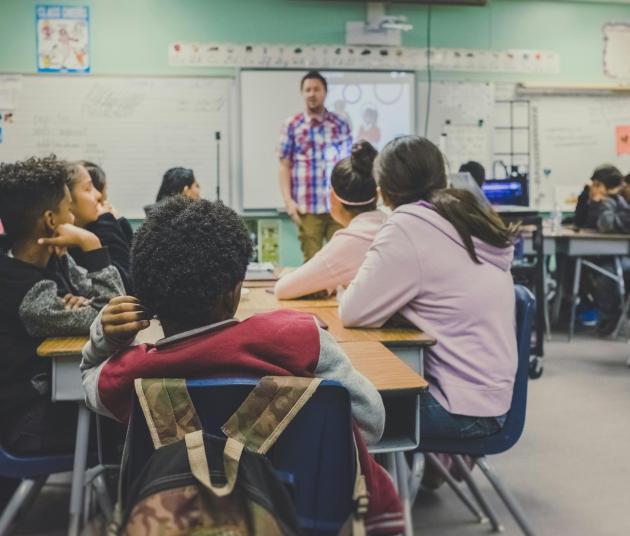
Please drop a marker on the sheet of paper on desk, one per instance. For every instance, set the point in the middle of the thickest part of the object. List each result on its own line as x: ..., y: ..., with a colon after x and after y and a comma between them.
x: 257, y: 271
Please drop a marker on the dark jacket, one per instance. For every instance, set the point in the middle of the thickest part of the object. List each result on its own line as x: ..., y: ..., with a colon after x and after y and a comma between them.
x: 581, y: 208
x: 614, y: 215
x: 32, y: 309
x: 116, y: 235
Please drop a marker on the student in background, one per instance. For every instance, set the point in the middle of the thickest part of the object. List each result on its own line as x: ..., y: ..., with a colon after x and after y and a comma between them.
x: 353, y: 199
x: 44, y: 294
x: 606, y: 180
x: 189, y: 261
x: 176, y: 181
x: 99, y: 180
x: 476, y: 170
x: 91, y: 214
x: 443, y: 262
x: 609, y: 212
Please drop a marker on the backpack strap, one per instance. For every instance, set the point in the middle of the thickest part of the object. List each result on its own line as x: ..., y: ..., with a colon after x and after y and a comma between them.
x: 198, y: 462
x: 268, y: 410
x: 168, y: 409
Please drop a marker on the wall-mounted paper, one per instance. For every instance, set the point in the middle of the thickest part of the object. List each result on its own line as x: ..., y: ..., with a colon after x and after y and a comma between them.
x: 63, y: 39
x: 617, y: 50
x: 623, y: 139
x: 284, y: 56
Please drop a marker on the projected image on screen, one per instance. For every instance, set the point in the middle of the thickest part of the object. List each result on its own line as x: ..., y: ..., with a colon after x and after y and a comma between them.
x: 376, y: 111
x: 379, y: 105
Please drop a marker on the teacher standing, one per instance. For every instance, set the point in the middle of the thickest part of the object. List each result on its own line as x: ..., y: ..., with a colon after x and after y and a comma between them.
x: 312, y: 142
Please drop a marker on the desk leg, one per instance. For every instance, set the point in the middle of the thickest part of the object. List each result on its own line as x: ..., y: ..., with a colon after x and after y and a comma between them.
x: 78, y: 471
x: 402, y: 472
x: 545, y: 285
x: 621, y: 285
x: 574, y: 296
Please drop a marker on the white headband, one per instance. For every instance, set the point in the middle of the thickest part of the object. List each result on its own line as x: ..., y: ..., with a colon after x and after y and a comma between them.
x: 353, y: 203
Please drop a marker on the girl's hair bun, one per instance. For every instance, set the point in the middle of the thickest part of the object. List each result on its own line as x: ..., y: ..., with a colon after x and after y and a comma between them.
x: 362, y: 157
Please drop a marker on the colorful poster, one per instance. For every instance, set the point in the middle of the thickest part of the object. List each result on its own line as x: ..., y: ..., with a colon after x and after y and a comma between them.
x: 63, y: 39
x: 623, y: 139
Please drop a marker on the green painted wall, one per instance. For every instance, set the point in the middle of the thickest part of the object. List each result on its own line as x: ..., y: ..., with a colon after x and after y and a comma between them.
x: 132, y: 36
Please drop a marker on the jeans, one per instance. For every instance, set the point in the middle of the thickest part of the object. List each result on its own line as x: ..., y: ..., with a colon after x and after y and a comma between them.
x: 437, y: 423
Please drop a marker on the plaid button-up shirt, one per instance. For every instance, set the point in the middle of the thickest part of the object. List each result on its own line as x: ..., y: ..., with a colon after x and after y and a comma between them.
x: 313, y: 147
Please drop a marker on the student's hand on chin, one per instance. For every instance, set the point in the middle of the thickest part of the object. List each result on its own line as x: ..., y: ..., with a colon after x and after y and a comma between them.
x: 123, y: 317
x: 67, y: 236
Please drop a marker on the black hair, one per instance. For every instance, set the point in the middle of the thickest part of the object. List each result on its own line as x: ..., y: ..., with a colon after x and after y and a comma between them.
x: 476, y: 170
x: 352, y: 178
x: 186, y: 256
x: 28, y: 189
x: 608, y: 175
x: 411, y: 168
x: 316, y: 75
x: 99, y: 179
x: 174, y: 181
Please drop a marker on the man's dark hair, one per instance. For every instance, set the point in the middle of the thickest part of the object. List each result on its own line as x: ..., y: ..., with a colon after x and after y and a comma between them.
x: 174, y: 181
x: 28, y: 189
x: 99, y: 179
x: 608, y: 175
x: 315, y: 75
x: 186, y: 256
x: 476, y: 170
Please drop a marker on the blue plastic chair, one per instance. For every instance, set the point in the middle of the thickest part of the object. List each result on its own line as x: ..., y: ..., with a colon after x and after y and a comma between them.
x: 33, y: 470
x: 314, y: 456
x: 479, y: 448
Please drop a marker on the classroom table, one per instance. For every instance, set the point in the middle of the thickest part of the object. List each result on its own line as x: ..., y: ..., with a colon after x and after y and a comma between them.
x: 580, y: 243
x: 262, y: 298
x: 399, y: 385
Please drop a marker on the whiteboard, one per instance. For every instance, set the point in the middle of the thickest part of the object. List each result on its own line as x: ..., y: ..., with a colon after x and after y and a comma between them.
x: 572, y: 135
x: 268, y: 98
x: 135, y: 128
x: 460, y: 120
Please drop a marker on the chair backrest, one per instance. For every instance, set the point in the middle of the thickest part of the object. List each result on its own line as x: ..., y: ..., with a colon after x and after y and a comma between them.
x: 12, y: 466
x: 314, y: 456
x: 515, y: 421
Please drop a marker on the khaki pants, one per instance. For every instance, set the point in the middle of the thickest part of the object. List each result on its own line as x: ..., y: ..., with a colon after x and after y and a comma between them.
x: 313, y: 229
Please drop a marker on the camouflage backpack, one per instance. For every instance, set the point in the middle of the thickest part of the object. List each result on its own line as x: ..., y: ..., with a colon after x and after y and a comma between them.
x: 196, y: 483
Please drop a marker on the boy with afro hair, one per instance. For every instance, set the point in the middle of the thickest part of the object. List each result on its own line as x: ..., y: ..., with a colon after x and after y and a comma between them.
x: 188, y: 262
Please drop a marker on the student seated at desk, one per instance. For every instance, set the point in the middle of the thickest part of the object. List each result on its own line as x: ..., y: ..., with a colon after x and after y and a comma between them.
x: 353, y: 205
x: 176, y: 181
x: 93, y: 213
x: 44, y: 294
x: 443, y: 262
x: 99, y: 180
x: 606, y: 182
x: 476, y: 170
x: 188, y: 264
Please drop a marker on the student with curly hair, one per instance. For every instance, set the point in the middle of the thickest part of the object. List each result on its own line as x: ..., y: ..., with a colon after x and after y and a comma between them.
x: 44, y: 294
x: 353, y: 206
x: 189, y: 261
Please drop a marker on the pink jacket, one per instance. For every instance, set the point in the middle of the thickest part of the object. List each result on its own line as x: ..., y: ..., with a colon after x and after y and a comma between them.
x: 418, y: 266
x: 337, y: 262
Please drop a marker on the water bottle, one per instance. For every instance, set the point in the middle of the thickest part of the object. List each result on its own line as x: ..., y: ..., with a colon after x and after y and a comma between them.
x: 556, y: 214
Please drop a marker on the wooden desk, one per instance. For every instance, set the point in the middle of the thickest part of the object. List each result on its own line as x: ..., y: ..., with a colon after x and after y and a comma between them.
x: 259, y: 299
x: 408, y: 337
x: 383, y: 368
